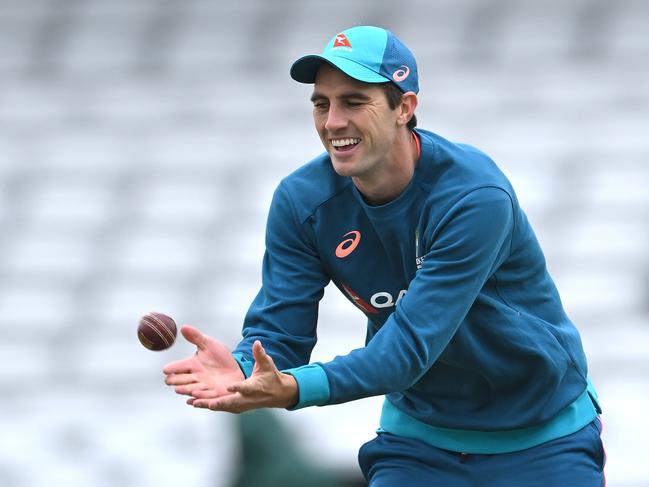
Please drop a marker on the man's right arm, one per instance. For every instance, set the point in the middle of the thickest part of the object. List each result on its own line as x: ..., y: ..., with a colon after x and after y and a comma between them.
x: 283, y: 315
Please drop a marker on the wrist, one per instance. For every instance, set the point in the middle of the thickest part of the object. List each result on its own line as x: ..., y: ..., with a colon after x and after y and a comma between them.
x: 312, y: 385
x: 245, y: 364
x: 289, y: 384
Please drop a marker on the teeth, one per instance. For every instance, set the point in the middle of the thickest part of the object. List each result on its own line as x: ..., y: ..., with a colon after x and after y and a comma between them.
x: 344, y: 142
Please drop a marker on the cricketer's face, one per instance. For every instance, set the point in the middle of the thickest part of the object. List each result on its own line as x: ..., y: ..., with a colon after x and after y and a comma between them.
x: 354, y: 122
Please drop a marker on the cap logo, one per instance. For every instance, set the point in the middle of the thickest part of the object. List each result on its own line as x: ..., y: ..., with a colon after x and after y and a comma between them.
x: 401, y: 73
x: 342, y: 41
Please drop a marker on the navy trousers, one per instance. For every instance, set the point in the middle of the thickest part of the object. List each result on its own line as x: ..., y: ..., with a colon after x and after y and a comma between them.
x: 576, y: 460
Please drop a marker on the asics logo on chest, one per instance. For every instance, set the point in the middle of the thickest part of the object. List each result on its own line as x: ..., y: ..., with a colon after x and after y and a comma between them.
x: 348, y: 245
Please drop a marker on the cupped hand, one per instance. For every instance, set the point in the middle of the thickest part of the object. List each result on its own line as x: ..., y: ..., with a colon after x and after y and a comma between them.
x: 210, y: 371
x: 266, y: 387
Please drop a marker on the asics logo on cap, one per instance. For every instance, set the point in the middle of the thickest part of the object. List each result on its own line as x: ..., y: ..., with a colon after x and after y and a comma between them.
x: 342, y: 41
x: 401, y: 73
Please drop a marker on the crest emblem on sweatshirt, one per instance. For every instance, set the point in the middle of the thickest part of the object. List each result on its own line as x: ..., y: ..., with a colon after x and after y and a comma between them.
x: 419, y: 260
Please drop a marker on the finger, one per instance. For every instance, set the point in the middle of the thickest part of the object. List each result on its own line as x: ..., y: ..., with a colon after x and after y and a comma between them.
x: 206, y: 393
x: 203, y: 403
x: 198, y: 403
x: 245, y: 388
x: 264, y: 360
x: 183, y: 366
x: 258, y: 350
x: 187, y: 390
x: 180, y: 379
x: 232, y: 403
x: 193, y: 335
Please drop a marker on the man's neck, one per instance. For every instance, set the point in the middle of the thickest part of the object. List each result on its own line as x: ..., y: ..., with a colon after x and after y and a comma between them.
x: 392, y: 178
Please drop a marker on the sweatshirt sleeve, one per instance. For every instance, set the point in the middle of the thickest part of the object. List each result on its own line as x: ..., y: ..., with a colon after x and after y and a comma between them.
x: 283, y: 315
x: 470, y: 242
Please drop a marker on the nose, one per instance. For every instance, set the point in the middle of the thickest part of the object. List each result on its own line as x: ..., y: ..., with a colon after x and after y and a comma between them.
x: 335, y: 119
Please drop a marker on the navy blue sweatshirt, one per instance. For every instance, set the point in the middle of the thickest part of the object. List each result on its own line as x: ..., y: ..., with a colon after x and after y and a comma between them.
x: 466, y: 334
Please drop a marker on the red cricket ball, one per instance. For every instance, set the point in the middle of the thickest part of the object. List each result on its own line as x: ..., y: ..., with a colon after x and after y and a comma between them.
x: 156, y: 331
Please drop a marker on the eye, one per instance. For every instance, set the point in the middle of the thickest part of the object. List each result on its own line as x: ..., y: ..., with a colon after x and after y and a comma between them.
x: 320, y: 105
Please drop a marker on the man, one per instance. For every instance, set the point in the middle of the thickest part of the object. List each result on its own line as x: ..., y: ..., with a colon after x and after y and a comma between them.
x: 484, y: 375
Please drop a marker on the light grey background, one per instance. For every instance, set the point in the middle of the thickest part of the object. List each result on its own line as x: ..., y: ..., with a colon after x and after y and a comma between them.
x: 140, y: 143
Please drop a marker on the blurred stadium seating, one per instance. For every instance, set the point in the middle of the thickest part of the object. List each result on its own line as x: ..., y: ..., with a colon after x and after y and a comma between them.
x: 141, y: 141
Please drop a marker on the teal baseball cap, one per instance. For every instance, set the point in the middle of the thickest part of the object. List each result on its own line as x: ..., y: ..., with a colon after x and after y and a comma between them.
x: 365, y: 53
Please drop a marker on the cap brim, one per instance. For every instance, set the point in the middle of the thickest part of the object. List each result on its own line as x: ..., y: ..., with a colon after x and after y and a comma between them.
x: 305, y: 69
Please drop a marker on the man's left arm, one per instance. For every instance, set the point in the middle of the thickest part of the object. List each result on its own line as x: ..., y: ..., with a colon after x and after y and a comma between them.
x: 470, y: 243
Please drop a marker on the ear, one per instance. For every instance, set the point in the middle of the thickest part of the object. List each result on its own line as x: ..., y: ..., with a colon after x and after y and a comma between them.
x: 407, y: 107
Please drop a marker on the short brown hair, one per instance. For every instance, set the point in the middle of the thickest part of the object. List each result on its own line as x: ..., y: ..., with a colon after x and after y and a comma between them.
x: 394, y: 95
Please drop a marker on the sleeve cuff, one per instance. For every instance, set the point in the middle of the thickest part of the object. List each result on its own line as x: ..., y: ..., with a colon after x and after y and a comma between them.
x: 312, y: 385
x: 245, y: 363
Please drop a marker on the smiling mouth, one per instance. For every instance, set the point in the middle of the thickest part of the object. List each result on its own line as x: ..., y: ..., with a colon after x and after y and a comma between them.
x: 344, y: 144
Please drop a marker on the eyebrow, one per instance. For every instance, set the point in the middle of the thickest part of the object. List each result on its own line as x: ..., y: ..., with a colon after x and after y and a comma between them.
x: 357, y: 95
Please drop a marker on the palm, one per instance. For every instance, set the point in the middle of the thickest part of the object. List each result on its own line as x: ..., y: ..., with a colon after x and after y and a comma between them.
x: 215, y: 368
x: 212, y: 369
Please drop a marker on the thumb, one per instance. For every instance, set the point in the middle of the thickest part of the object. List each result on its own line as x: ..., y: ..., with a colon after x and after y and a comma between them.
x: 262, y: 359
x: 193, y: 335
